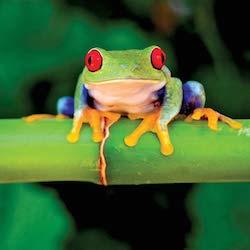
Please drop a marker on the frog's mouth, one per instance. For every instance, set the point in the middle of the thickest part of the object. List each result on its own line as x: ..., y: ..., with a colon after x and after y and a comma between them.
x: 122, y: 81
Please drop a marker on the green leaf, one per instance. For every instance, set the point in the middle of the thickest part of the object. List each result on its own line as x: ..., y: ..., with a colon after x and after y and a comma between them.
x: 31, y: 218
x: 221, y: 217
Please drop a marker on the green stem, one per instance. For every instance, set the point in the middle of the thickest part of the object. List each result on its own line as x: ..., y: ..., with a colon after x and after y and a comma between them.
x: 38, y: 151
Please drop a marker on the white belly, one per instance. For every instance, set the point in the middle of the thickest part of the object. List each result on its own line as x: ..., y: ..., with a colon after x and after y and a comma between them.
x: 130, y: 96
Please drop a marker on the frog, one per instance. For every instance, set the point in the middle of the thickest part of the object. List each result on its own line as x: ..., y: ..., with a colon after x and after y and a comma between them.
x: 137, y: 84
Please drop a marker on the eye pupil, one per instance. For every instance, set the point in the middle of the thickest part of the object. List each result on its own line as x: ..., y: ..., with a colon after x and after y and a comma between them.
x: 158, y: 58
x: 89, y: 60
x: 162, y: 58
x: 93, y: 60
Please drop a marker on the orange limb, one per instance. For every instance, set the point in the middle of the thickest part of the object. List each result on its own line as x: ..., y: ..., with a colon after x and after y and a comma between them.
x: 74, y: 134
x: 37, y: 117
x: 150, y: 122
x: 163, y: 135
x: 94, y: 118
x: 213, y: 118
x: 100, y: 122
x: 88, y: 115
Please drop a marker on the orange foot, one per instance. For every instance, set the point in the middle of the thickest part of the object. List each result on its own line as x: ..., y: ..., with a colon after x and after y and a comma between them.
x: 213, y: 118
x: 150, y: 122
x: 95, y: 119
x: 37, y: 117
x: 99, y: 122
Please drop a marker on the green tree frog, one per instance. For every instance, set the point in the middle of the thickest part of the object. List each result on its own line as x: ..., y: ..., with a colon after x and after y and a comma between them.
x: 136, y: 84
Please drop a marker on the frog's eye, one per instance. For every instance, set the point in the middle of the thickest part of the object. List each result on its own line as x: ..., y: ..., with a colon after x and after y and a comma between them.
x: 158, y: 58
x: 93, y: 60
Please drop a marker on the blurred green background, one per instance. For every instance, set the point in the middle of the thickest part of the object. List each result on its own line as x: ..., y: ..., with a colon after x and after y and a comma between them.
x: 42, y: 46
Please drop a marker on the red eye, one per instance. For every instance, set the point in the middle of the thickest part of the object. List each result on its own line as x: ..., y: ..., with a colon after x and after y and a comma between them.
x: 158, y: 58
x: 93, y: 60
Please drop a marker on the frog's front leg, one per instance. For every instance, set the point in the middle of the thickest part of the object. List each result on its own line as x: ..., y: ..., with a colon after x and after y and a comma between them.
x: 95, y: 119
x: 158, y: 121
x: 79, y: 117
x: 193, y: 107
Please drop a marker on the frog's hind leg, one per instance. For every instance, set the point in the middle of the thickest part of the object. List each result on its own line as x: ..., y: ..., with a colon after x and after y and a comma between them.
x: 213, y: 117
x: 65, y: 109
x: 65, y: 106
x: 193, y: 97
x: 193, y: 107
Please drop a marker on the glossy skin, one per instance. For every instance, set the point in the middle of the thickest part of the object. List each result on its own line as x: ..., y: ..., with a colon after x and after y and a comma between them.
x: 136, y: 84
x: 123, y: 70
x: 129, y: 71
x: 127, y: 83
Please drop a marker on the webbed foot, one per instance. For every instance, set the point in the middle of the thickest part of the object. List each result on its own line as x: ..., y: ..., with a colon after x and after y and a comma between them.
x: 73, y: 137
x: 213, y: 118
x: 151, y: 123
x: 38, y: 117
x: 94, y: 118
x: 99, y: 121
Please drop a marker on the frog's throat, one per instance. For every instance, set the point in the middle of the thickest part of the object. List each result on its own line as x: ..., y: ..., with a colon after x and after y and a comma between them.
x: 126, y: 80
x: 134, y: 96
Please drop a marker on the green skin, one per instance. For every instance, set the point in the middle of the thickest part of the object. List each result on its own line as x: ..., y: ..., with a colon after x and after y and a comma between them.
x: 133, y: 64
x: 127, y: 84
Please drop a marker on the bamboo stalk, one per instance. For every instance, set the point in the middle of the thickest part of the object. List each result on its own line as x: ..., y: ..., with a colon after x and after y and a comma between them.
x: 32, y: 152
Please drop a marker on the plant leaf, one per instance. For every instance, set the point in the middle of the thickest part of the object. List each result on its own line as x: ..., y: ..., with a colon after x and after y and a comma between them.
x: 31, y: 218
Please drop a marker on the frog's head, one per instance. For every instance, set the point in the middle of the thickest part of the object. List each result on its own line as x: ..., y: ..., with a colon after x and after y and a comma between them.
x: 134, y: 66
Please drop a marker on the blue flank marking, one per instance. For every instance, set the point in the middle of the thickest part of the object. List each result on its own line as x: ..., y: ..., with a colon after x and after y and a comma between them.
x: 84, y: 95
x: 193, y: 97
x: 161, y: 94
x: 86, y: 98
x: 65, y: 106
